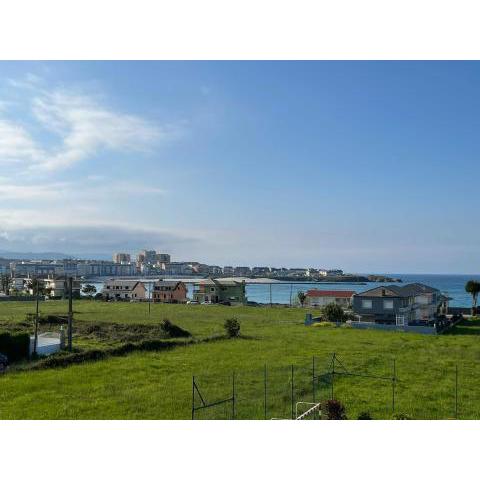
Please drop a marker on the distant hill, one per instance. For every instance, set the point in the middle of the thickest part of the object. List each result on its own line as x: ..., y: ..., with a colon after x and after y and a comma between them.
x: 51, y: 256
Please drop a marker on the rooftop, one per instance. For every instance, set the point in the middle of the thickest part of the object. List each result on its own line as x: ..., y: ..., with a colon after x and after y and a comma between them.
x: 408, y: 290
x: 330, y: 293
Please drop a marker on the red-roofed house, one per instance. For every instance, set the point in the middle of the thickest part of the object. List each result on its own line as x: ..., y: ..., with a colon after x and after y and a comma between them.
x: 320, y: 298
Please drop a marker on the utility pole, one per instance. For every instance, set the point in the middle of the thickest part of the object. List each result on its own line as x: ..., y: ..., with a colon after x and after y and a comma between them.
x: 149, y: 296
x: 70, y: 312
x: 35, y: 341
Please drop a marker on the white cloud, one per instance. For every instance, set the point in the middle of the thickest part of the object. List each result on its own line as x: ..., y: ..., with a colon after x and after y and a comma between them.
x: 16, y: 145
x: 81, y: 125
x: 86, y: 127
x: 81, y: 192
x: 31, y: 192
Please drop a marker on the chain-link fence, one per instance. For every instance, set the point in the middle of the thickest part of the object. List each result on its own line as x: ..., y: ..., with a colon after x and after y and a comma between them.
x: 279, y: 392
x: 378, y: 387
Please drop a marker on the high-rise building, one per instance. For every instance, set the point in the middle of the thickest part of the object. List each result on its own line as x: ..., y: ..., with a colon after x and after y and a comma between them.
x: 162, y: 258
x: 121, y: 257
x: 147, y: 256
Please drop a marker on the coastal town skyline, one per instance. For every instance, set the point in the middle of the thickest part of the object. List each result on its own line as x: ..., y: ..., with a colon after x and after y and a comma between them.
x: 278, y: 163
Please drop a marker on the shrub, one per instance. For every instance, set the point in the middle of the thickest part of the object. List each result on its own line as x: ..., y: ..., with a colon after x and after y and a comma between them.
x: 334, y: 410
x: 173, y: 330
x: 323, y: 324
x: 16, y: 346
x: 232, y: 327
x: 301, y: 297
x: 333, y: 313
x: 47, y: 319
x: 401, y: 416
x: 364, y: 416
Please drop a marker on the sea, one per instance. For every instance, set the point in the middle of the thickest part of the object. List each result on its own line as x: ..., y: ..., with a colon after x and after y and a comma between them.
x: 286, y: 292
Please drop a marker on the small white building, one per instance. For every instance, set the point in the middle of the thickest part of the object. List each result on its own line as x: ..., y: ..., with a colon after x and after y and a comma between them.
x: 57, y: 287
x: 47, y: 343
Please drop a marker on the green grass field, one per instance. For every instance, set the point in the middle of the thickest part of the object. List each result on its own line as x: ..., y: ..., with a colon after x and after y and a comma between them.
x: 158, y: 385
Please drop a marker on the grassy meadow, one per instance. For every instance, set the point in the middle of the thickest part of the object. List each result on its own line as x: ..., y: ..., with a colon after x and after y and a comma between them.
x: 158, y: 385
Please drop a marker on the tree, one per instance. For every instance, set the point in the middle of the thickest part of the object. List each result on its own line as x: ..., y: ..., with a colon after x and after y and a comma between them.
x: 232, y: 327
x: 333, y: 313
x: 473, y: 288
x: 89, y: 290
x: 36, y: 285
x: 301, y: 297
x: 5, y: 282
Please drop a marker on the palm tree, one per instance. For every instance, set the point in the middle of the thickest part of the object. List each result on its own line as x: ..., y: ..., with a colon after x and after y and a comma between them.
x: 473, y: 288
x: 301, y: 297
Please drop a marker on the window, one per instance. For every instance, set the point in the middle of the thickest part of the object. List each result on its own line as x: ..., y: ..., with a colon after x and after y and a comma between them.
x: 367, y: 304
x: 388, y: 304
x: 212, y: 289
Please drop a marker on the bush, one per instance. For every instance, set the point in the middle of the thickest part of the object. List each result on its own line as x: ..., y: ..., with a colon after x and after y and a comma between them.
x: 401, y: 416
x: 174, y: 331
x: 323, y: 324
x: 47, y: 319
x: 334, y: 410
x: 364, y: 416
x: 16, y: 346
x: 333, y: 313
x: 232, y: 327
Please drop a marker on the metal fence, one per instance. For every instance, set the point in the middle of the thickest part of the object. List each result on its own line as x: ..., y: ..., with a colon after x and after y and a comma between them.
x: 374, y: 385
x: 275, y: 392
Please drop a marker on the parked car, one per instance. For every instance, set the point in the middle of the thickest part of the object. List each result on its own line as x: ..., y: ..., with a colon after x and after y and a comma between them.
x: 192, y: 302
x: 3, y: 363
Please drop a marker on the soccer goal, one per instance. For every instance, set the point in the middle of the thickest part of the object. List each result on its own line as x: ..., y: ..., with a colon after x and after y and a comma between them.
x: 307, y: 411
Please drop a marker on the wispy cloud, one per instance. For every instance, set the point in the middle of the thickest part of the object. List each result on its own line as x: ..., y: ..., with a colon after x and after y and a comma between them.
x: 82, y: 127
x: 17, y: 146
x: 84, y: 191
x: 85, y: 128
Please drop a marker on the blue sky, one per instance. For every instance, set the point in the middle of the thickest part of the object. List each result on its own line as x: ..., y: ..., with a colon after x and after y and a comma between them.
x: 366, y: 166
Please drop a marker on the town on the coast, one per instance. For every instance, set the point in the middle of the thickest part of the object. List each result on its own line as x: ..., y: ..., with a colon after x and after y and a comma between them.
x: 152, y: 276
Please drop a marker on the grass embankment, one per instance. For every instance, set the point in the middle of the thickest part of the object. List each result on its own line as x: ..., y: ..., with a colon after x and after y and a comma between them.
x: 159, y: 384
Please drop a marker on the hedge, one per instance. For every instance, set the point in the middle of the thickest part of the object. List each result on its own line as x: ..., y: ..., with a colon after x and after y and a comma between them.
x: 16, y: 346
x: 66, y: 359
x: 47, y: 319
